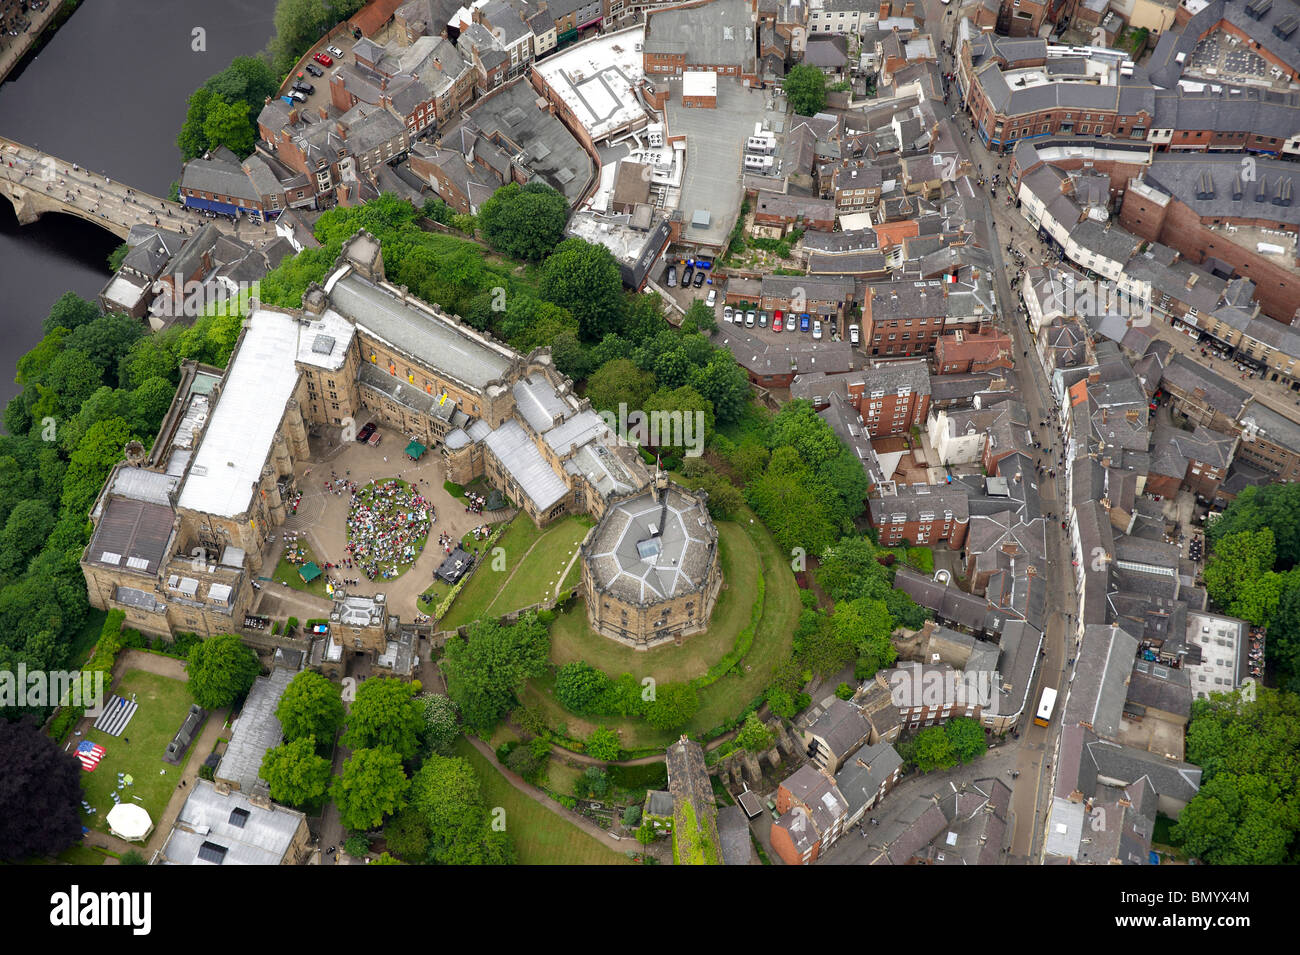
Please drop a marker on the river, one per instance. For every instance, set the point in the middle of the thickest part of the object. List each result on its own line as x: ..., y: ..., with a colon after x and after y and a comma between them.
x: 108, y: 91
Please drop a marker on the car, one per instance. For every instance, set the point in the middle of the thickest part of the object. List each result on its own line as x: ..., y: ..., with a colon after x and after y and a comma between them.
x: 762, y: 319
x: 803, y: 323
x: 298, y: 95
x: 712, y: 299
x: 336, y: 52
x: 364, y: 434
x: 854, y: 337
x: 374, y: 439
x: 314, y: 70
x: 776, y: 322
x: 672, y: 276
x: 726, y: 313
x: 750, y: 317
x: 688, y: 273
x: 699, y: 278
x: 306, y: 88
x: 739, y: 316
x: 817, y: 331
x: 323, y: 59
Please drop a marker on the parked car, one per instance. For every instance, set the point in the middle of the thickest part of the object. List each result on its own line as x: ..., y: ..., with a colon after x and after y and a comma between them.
x: 307, y: 88
x: 364, y: 434
x: 854, y: 336
x: 712, y: 299
x: 726, y: 312
x: 323, y: 59
x: 817, y: 331
x: 298, y: 96
x: 314, y: 70
x: 750, y: 318
x: 740, y: 316
x: 699, y: 278
x: 762, y: 319
x: 374, y: 439
x: 336, y: 52
x: 776, y: 322
x: 672, y: 276
x: 688, y: 273
x: 803, y: 323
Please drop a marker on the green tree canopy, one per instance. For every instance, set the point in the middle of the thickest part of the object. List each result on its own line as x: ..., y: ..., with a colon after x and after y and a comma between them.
x: 311, y: 705
x: 805, y: 89
x: 524, y: 221
x: 674, y: 705
x: 386, y: 713
x: 371, y: 787
x: 619, y: 382
x: 221, y: 669
x: 603, y: 744
x: 297, y: 776
x: 441, y: 724
x: 485, y: 670
x: 754, y: 736
x: 447, y: 791
x: 584, y: 279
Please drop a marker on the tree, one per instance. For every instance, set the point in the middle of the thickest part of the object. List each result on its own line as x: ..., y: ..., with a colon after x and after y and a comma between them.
x: 699, y: 317
x: 70, y: 311
x: 311, y: 705
x: 966, y: 737
x: 805, y: 89
x: 646, y: 834
x: 798, y: 426
x: 674, y: 705
x: 1238, y: 558
x: 386, y: 713
x: 933, y: 750
x: 447, y: 792
x: 24, y: 533
x: 724, y: 383
x: 298, y: 24
x: 693, y: 410
x: 371, y: 787
x: 296, y: 775
x: 106, y: 341
x: 485, y: 670
x: 603, y: 744
x: 407, y: 836
x: 754, y: 736
x: 221, y: 669
x: 579, y: 687
x: 40, y: 790
x: 524, y: 761
x: 592, y: 784
x: 619, y: 382
x: 193, y: 138
x: 116, y: 256
x: 819, y: 646
x: 584, y: 279
x: 866, y: 625
x: 441, y: 724
x: 227, y: 124
x: 524, y: 221
x: 132, y: 857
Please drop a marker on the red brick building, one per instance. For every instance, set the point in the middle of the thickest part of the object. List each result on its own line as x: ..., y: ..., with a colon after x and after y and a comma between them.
x: 960, y: 352
x: 892, y: 398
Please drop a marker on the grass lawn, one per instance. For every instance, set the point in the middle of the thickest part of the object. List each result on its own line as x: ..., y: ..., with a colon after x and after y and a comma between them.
x: 286, y: 571
x: 163, y: 705
x: 393, y: 567
x: 743, y: 549
x: 540, y: 836
x: 73, y: 855
x: 518, y: 582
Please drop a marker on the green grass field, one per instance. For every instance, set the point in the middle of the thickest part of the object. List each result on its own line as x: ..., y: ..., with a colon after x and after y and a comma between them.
x: 743, y: 549
x: 163, y: 705
x: 287, y: 572
x: 519, y: 581
x: 540, y: 836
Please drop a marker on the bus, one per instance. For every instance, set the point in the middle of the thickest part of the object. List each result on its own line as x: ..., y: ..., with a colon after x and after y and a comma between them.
x: 1046, y: 704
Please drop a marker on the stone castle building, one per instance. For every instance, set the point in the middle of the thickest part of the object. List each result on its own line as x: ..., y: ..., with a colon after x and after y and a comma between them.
x: 179, y: 531
x: 650, y: 570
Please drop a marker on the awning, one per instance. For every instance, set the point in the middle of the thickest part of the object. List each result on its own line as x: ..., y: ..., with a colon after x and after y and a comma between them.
x: 415, y: 449
x: 308, y: 572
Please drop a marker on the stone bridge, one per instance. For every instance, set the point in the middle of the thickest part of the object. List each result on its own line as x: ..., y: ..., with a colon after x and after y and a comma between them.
x: 36, y: 183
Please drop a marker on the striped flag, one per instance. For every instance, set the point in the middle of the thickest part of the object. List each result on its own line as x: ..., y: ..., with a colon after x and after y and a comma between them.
x: 90, y: 754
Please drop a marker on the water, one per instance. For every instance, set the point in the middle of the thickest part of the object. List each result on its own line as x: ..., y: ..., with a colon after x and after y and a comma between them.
x: 108, y: 92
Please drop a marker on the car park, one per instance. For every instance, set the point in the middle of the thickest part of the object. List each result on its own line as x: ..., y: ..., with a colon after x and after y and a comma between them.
x: 740, y: 316
x: 712, y: 299
x: 323, y: 59
x: 364, y: 434
x: 803, y: 323
x: 817, y: 331
x: 314, y: 70
x: 688, y: 274
x: 298, y: 95
x: 336, y: 52
x: 699, y: 278
x: 750, y: 318
x: 726, y: 313
x: 854, y: 337
x: 762, y: 319
x: 672, y: 276
x: 776, y: 322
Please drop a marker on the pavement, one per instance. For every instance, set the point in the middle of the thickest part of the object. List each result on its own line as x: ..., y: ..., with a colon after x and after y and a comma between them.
x: 14, y: 48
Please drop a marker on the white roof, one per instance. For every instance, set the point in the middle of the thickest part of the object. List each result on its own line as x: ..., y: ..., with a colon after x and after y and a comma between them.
x: 259, y: 383
x: 699, y: 83
x: 324, y: 342
x: 129, y: 821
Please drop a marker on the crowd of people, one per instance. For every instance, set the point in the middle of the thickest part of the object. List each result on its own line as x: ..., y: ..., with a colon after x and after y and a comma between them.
x: 476, y: 503
x: 387, y: 524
